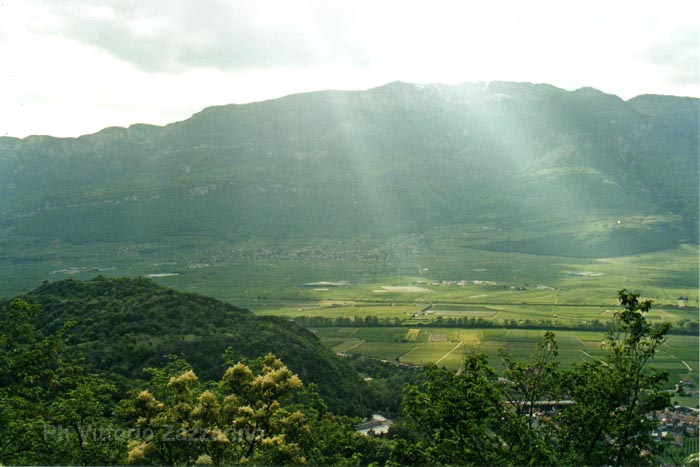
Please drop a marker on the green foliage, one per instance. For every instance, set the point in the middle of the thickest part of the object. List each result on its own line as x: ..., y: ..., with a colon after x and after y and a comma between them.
x: 121, y: 326
x: 49, y: 404
x: 387, y: 380
x: 453, y: 417
x: 609, y: 422
x: 528, y: 436
x: 27, y: 372
x: 257, y: 414
x: 603, y: 415
x: 53, y: 410
x: 81, y: 429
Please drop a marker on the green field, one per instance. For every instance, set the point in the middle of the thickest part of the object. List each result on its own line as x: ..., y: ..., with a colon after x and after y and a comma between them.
x: 448, y: 271
x: 403, y: 281
x: 678, y: 356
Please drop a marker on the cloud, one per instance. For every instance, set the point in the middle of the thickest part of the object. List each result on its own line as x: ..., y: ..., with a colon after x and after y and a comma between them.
x: 162, y: 35
x: 118, y: 62
x: 679, y: 54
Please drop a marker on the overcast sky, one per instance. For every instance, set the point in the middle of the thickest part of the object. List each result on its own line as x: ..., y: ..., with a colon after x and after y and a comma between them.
x: 71, y: 67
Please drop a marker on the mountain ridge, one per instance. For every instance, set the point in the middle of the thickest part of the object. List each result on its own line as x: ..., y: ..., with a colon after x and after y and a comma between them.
x: 396, y: 159
x: 484, y: 84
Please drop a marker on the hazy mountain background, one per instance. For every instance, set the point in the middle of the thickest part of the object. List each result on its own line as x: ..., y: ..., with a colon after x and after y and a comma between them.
x: 534, y: 168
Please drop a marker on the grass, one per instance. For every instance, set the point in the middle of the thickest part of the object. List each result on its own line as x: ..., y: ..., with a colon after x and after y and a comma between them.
x: 412, y: 335
x: 428, y: 353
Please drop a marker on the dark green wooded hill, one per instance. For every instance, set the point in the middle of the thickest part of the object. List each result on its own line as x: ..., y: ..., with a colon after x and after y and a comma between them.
x: 124, y: 325
x: 534, y: 162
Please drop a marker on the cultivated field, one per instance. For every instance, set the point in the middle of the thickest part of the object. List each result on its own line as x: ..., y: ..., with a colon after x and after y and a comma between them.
x: 409, y: 283
x: 447, y: 346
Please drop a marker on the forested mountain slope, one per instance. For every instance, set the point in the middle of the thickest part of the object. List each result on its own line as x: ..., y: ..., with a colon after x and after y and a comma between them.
x: 121, y: 326
x: 531, y: 160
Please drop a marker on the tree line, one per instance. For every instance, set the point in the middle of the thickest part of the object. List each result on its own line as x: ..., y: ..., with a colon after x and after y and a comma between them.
x: 682, y: 327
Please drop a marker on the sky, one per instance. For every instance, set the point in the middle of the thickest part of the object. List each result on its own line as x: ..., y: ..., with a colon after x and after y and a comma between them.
x: 72, y: 67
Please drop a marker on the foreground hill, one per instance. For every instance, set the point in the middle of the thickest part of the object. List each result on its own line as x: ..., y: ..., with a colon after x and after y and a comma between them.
x: 548, y: 171
x: 124, y: 325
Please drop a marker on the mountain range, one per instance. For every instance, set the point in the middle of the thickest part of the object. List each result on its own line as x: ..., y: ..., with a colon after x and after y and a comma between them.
x: 574, y: 173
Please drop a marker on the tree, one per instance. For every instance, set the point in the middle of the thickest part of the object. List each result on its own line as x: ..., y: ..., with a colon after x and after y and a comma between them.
x: 603, y: 414
x: 249, y: 417
x: 453, y: 417
x: 259, y: 408
x: 609, y: 421
x: 527, y: 433
x: 49, y: 403
x: 81, y: 430
x: 27, y: 374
